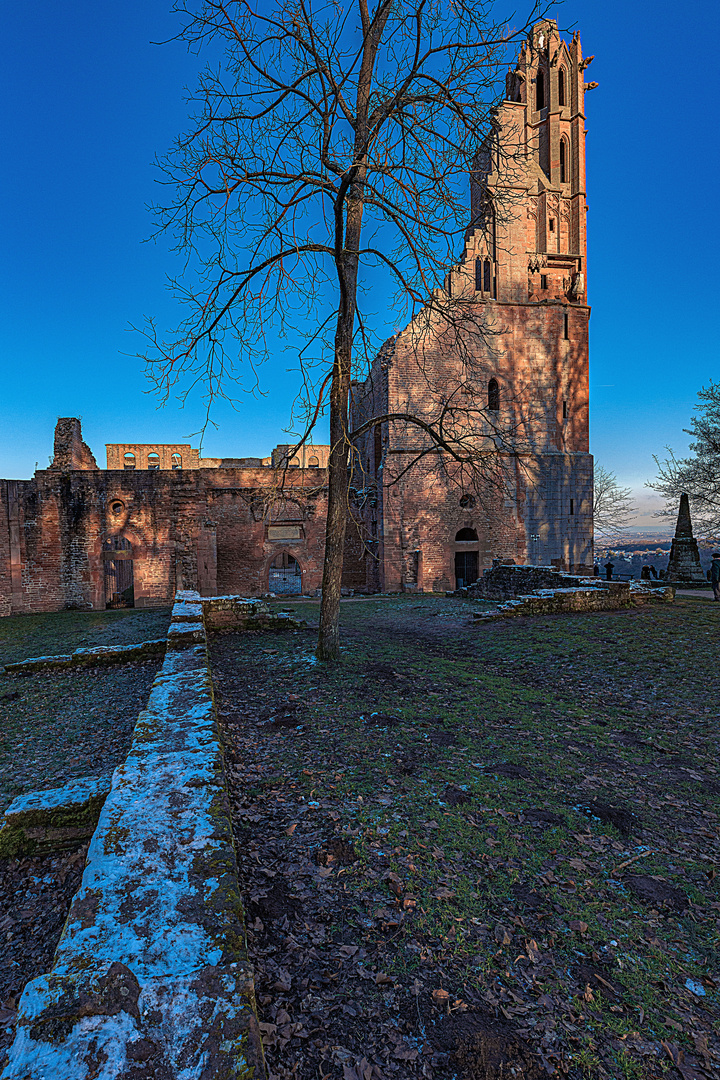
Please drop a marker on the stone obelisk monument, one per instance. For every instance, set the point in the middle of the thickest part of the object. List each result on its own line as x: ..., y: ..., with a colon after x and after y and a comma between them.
x: 684, y: 566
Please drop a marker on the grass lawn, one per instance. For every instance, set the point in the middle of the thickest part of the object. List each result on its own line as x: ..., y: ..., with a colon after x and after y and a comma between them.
x: 481, y: 851
x: 59, y: 725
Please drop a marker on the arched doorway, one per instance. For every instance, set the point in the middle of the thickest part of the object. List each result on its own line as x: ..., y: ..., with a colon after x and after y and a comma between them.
x: 285, y: 575
x: 118, y: 571
x: 466, y: 560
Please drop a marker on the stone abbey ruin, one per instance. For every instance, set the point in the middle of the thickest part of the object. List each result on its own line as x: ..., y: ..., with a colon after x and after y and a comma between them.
x: 160, y: 518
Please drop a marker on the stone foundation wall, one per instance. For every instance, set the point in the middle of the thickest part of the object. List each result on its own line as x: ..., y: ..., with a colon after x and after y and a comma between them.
x: 206, y: 529
x: 151, y: 977
x: 505, y: 582
x: 579, y: 599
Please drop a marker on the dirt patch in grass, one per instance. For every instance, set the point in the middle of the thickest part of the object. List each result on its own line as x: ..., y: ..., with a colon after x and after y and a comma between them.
x: 61, y: 725
x: 61, y: 632
x: 469, y: 893
x: 35, y: 896
x: 478, y: 1046
x: 57, y: 726
x: 656, y: 892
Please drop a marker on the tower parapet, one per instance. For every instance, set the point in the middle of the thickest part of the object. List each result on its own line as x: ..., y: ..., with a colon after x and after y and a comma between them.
x: 528, y: 231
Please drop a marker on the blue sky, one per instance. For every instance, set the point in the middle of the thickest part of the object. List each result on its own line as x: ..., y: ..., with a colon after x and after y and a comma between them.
x: 89, y: 100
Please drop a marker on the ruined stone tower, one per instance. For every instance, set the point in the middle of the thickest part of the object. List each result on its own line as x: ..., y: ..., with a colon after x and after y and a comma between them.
x: 523, y: 279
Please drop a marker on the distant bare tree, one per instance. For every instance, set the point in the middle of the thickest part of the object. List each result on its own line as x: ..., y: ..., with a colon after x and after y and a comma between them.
x: 698, y: 474
x: 612, y: 505
x: 329, y: 160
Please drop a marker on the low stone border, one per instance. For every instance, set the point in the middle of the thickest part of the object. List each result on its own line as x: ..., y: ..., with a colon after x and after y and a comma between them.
x: 44, y: 821
x: 592, y: 598
x: 151, y: 978
x: 100, y: 654
x: 239, y: 613
x: 217, y: 613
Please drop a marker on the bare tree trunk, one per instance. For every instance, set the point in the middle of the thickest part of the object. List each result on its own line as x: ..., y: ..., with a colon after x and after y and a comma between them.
x: 348, y: 228
x: 328, y: 647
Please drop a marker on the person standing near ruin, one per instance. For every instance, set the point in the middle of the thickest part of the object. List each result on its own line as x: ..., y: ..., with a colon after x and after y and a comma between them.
x: 609, y: 567
x: 715, y: 575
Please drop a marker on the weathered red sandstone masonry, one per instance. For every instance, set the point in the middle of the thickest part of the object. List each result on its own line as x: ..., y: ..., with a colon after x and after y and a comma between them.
x: 543, y: 590
x: 216, y: 529
x: 162, y: 518
x: 151, y: 976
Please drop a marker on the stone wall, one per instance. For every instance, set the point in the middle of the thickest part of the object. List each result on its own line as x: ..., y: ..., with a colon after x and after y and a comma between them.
x: 210, y: 529
x: 507, y: 581
x: 544, y: 590
x: 151, y: 976
x: 587, y: 598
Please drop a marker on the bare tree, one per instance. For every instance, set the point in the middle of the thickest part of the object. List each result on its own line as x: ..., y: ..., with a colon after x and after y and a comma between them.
x: 698, y: 474
x: 328, y: 161
x: 612, y: 505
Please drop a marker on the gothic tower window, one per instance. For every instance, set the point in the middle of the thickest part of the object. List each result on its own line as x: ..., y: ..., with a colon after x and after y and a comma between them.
x: 493, y: 395
x: 483, y: 275
x: 561, y: 86
x: 564, y: 170
x: 540, y: 91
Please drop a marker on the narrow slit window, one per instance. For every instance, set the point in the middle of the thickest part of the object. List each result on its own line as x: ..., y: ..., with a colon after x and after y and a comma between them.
x: 566, y: 327
x: 552, y: 224
x: 543, y: 281
x: 486, y: 276
x: 478, y: 275
x: 540, y: 91
x: 493, y: 395
x: 565, y: 410
x: 563, y: 162
x: 561, y: 86
x: 572, y: 506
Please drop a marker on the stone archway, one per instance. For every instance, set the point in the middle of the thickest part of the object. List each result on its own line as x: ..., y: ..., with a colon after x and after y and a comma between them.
x: 285, y: 575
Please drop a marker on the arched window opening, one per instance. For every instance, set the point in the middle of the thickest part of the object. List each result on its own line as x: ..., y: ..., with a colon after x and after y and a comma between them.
x: 465, y: 535
x: 129, y: 461
x: 561, y: 86
x: 176, y: 461
x: 285, y: 575
x: 153, y: 461
x: 294, y: 463
x: 540, y: 91
x: 563, y: 161
x: 313, y: 463
x: 467, y: 501
x: 118, y: 567
x: 493, y: 395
